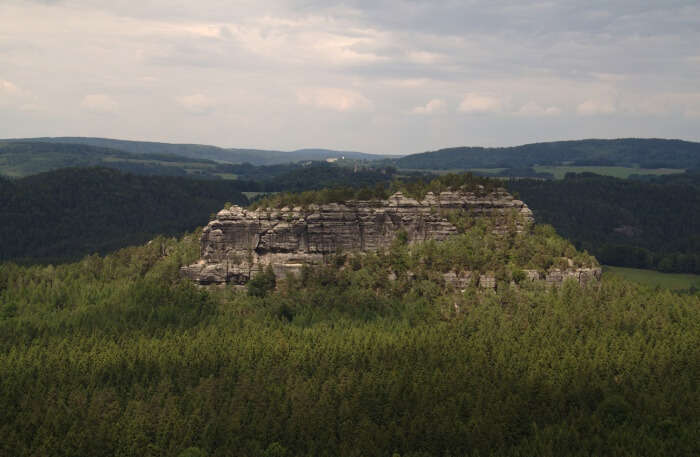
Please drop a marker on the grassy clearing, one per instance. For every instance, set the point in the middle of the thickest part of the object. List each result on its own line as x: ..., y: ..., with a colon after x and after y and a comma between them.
x: 617, y: 172
x: 230, y: 176
x: 453, y: 170
x: 656, y: 278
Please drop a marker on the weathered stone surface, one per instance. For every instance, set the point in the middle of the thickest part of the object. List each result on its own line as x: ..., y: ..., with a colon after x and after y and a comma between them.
x: 239, y: 243
x: 487, y: 281
x: 460, y: 281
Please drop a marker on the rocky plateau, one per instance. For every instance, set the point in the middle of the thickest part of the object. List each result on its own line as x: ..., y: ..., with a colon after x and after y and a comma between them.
x: 239, y: 243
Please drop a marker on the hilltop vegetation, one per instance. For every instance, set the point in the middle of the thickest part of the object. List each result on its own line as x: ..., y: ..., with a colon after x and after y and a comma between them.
x: 117, y: 356
x: 652, y: 223
x: 629, y: 152
x: 416, y: 187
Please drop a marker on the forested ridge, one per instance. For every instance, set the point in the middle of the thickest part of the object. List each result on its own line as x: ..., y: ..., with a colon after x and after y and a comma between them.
x: 652, y: 223
x: 117, y: 356
x: 202, y: 151
x: 73, y: 212
x: 627, y: 152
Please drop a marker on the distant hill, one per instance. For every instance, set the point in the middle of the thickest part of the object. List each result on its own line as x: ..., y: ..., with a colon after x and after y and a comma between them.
x: 72, y: 212
x: 628, y: 152
x: 199, y: 151
x: 23, y: 158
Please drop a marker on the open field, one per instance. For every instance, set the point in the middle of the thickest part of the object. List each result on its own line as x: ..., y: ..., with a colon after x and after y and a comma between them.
x: 227, y: 175
x: 617, y: 172
x: 656, y: 278
x: 560, y: 171
x: 453, y: 170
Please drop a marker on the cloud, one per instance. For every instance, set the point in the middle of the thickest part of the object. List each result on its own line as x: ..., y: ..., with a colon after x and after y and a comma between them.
x: 424, y: 57
x: 496, y: 67
x: 595, y: 107
x: 534, y: 109
x: 197, y: 103
x: 474, y: 103
x: 334, y: 99
x: 99, y: 103
x: 14, y: 96
x: 434, y: 106
x: 9, y: 89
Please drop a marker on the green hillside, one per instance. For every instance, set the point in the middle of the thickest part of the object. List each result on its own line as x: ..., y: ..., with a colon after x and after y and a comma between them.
x: 205, y: 152
x: 18, y: 159
x: 676, y: 281
x: 118, y: 356
x: 629, y: 152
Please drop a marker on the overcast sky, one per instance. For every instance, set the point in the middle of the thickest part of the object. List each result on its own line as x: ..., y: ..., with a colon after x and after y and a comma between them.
x: 397, y: 76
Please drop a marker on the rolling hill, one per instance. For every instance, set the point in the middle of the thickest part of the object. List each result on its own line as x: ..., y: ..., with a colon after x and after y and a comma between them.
x: 24, y: 158
x: 628, y: 152
x: 199, y: 151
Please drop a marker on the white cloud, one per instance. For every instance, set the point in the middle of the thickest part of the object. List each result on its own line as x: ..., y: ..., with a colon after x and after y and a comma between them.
x: 9, y: 89
x: 334, y: 99
x: 197, y: 103
x: 424, y: 57
x: 535, y: 109
x: 12, y: 95
x: 434, y: 106
x: 99, y: 103
x: 594, y: 107
x: 474, y: 103
x: 163, y: 64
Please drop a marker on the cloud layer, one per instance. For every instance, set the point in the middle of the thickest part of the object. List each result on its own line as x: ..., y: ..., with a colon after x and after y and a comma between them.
x: 392, y: 76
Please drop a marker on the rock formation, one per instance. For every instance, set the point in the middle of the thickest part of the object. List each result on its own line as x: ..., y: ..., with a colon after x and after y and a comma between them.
x: 554, y: 277
x: 239, y: 243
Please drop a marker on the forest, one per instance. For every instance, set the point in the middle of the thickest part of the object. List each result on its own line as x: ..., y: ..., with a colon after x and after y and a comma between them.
x: 626, y: 152
x: 651, y: 223
x: 117, y: 356
x: 69, y: 213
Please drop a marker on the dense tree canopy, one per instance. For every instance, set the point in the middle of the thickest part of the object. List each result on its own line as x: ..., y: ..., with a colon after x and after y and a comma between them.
x: 73, y: 212
x: 652, y: 223
x: 627, y: 152
x: 116, y: 355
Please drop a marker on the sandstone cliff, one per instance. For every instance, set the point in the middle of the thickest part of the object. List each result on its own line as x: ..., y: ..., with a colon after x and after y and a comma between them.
x: 239, y: 243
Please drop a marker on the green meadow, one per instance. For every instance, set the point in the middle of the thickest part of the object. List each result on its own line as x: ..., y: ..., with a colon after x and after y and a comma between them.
x: 653, y: 278
x: 617, y: 172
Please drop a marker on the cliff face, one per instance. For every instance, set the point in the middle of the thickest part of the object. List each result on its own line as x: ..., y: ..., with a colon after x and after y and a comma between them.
x: 240, y: 243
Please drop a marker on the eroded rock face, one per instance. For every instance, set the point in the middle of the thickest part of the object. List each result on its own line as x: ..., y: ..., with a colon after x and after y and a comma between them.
x: 239, y: 243
x: 554, y: 277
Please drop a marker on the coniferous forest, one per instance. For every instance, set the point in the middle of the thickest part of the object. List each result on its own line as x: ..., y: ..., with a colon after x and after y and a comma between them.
x: 649, y: 223
x: 117, y: 355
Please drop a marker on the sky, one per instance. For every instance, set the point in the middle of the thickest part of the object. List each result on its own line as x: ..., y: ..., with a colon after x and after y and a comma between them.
x: 386, y: 77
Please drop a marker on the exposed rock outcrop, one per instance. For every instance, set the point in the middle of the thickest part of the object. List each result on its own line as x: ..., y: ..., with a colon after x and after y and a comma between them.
x: 554, y: 277
x: 239, y: 243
